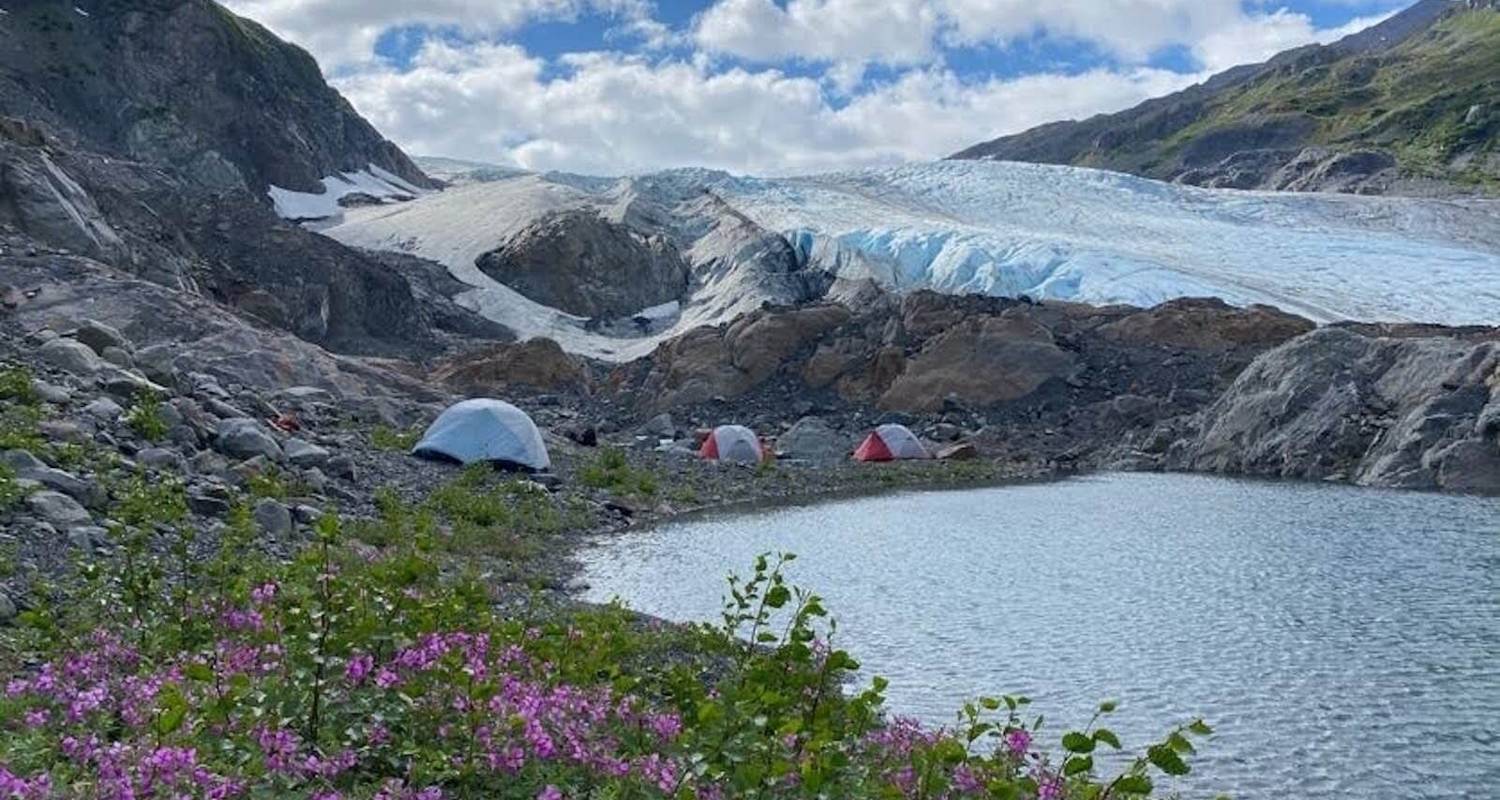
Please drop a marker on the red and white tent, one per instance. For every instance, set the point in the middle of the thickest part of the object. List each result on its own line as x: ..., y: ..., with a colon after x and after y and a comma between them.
x: 733, y: 443
x: 891, y: 443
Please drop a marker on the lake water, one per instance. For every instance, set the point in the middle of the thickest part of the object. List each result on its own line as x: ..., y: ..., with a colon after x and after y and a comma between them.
x: 1344, y: 643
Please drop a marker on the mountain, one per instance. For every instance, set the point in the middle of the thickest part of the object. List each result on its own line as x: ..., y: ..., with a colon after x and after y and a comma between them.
x: 1407, y: 106
x: 996, y: 229
x: 189, y: 82
x: 163, y: 137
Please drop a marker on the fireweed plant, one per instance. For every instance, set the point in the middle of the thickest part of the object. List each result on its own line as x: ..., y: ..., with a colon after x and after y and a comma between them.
x: 364, y: 671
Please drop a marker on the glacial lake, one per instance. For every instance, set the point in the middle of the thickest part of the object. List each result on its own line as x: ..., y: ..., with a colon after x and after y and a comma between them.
x: 1343, y: 642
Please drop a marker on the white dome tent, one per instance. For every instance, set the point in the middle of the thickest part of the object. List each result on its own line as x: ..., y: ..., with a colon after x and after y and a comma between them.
x: 733, y: 443
x: 482, y: 430
x: 892, y: 443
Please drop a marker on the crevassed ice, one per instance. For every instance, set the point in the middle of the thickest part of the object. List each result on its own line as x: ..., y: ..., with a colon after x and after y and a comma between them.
x: 997, y: 228
x: 1078, y: 234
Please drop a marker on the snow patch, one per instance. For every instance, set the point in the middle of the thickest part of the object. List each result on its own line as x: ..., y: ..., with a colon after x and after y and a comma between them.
x: 664, y: 311
x: 373, y: 181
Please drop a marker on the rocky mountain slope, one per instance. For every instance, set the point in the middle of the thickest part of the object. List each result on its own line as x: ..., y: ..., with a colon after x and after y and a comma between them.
x: 153, y: 134
x: 1408, y: 106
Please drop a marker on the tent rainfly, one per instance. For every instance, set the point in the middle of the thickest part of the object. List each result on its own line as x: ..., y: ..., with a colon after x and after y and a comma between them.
x: 734, y: 443
x: 485, y: 430
x: 891, y: 443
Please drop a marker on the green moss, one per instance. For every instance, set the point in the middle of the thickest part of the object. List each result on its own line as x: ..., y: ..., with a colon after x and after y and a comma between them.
x: 384, y: 437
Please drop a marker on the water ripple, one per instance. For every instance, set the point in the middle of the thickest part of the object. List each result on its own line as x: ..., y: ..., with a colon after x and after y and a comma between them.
x: 1345, y: 643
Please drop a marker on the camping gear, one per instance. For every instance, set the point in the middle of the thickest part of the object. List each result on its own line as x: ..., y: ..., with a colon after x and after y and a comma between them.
x: 891, y: 443
x: 485, y: 430
x: 733, y: 443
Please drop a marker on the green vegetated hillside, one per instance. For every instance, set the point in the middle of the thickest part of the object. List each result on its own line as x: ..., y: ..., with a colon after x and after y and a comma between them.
x: 1355, y: 116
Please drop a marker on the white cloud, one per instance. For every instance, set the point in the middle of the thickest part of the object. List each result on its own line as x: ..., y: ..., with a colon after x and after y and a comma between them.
x: 1253, y: 39
x: 1129, y: 29
x: 1221, y: 33
x: 342, y: 33
x: 614, y: 113
x: 887, y: 31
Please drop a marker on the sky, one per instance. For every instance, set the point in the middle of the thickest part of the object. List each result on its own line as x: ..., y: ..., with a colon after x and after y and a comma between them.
x: 768, y: 87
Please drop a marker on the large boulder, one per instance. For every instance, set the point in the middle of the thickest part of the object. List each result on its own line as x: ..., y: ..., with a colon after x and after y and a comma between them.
x: 301, y: 453
x: 100, y: 337
x: 583, y: 264
x: 245, y: 438
x: 705, y: 363
x: 1398, y: 412
x: 70, y: 355
x: 87, y: 492
x: 981, y: 362
x: 814, y: 440
x: 535, y: 363
x: 760, y: 344
x: 1206, y: 324
x: 58, y: 509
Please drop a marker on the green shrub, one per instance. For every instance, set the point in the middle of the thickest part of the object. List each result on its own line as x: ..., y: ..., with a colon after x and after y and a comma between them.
x: 145, y: 418
x: 16, y: 386
x: 500, y: 515
x: 384, y: 437
x: 273, y: 484
x: 11, y: 493
x: 370, y: 674
x: 611, y: 470
x: 19, y: 428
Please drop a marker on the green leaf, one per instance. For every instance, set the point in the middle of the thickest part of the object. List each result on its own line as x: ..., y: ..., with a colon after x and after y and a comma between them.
x: 1180, y: 743
x: 174, y: 711
x: 1004, y: 791
x: 1134, y: 784
x: 1201, y: 728
x: 1077, y: 765
x: 1167, y: 760
x: 1108, y: 737
x: 1077, y: 743
x: 199, y: 672
x: 1108, y: 706
x: 778, y: 597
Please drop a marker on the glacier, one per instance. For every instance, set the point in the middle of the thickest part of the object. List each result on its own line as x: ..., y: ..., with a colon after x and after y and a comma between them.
x: 310, y: 206
x: 996, y: 228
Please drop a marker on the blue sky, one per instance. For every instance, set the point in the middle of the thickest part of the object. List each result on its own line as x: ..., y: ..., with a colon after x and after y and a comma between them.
x: 768, y: 86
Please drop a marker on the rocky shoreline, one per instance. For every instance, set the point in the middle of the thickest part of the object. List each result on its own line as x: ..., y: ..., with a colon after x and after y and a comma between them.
x: 115, y: 385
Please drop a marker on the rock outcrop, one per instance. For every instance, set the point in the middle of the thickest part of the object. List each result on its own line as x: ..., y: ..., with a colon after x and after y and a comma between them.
x: 926, y: 353
x: 189, y: 84
x: 583, y: 264
x: 1414, y: 413
x: 538, y: 364
x: 157, y: 157
x: 981, y: 363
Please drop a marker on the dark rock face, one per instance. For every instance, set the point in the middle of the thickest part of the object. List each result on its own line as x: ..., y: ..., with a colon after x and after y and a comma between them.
x: 1398, y: 412
x: 188, y: 83
x: 1359, y: 115
x: 584, y: 264
x: 927, y: 352
x: 146, y: 134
